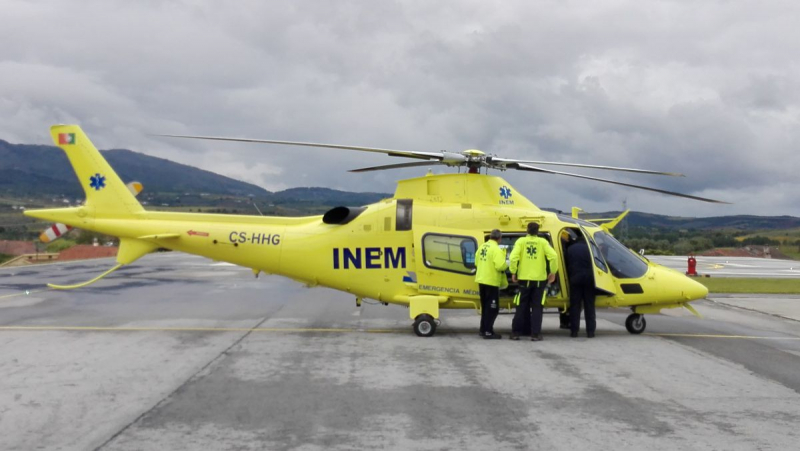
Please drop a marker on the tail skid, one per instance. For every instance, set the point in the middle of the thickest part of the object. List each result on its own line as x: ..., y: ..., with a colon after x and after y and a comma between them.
x: 83, y: 284
x: 130, y: 250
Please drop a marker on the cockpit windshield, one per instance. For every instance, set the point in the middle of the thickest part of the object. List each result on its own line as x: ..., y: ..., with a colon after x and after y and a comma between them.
x: 622, y: 262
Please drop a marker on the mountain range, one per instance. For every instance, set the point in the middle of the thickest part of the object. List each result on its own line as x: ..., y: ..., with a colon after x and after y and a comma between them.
x: 28, y: 171
x: 38, y: 171
x: 737, y: 222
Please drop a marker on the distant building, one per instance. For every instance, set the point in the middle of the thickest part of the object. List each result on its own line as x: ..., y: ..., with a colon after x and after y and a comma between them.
x: 84, y: 251
x: 9, y: 247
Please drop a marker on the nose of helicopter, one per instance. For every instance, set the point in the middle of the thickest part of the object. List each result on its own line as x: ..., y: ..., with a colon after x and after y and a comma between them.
x: 694, y: 290
x: 670, y: 286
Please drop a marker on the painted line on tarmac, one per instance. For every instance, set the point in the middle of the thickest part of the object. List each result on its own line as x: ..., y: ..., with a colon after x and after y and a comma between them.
x: 750, y: 309
x: 193, y: 329
x: 24, y: 293
x: 740, y: 337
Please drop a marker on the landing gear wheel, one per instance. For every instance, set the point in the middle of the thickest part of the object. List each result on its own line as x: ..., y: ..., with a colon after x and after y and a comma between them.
x: 635, y: 323
x: 425, y: 325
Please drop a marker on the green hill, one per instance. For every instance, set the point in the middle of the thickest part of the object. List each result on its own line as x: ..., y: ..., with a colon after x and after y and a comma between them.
x: 738, y: 222
x: 43, y: 172
x: 31, y: 170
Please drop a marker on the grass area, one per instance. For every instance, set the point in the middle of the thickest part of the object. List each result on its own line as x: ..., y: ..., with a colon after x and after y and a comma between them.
x: 60, y: 245
x: 5, y: 257
x: 747, y: 285
x: 791, y: 251
x: 778, y: 235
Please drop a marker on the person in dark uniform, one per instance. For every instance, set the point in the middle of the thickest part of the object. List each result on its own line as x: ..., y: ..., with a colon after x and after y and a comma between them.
x: 581, y: 287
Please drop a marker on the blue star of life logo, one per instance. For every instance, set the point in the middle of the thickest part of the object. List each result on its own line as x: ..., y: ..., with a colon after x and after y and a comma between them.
x: 484, y: 251
x: 98, y: 182
x: 531, y: 251
x: 505, y: 192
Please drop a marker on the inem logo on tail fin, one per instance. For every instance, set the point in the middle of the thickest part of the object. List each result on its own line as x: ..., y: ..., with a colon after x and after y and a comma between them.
x: 105, y: 192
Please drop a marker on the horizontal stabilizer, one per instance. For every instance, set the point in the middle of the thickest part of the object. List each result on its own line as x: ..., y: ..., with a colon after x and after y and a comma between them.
x: 131, y: 249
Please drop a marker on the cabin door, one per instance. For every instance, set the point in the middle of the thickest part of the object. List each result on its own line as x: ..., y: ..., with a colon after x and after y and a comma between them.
x: 445, y: 261
x: 603, y: 280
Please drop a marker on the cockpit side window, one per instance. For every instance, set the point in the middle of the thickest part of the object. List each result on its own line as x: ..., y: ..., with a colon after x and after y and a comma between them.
x: 624, y: 264
x: 598, y: 260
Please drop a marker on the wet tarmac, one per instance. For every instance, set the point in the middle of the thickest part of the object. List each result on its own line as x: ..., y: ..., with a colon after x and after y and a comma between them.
x: 178, y: 352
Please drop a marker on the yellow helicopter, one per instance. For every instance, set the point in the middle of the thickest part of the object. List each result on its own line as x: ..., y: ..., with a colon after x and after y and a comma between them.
x: 415, y: 249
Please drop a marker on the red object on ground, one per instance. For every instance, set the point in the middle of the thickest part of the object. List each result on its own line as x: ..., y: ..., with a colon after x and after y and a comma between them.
x: 692, y: 271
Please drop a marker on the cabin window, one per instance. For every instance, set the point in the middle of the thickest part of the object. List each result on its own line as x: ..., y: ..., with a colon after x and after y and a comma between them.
x: 403, y: 221
x: 452, y: 253
x: 598, y: 258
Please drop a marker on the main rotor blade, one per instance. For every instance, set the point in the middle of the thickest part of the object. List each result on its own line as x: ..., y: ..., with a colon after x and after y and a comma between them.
x: 397, y: 153
x: 523, y: 167
x: 396, y: 166
x: 589, y: 166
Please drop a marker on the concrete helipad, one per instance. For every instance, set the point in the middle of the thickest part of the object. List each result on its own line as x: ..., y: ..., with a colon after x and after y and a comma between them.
x: 178, y: 352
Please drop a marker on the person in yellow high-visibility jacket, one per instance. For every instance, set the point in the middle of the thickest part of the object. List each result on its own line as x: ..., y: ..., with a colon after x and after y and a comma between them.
x: 534, y: 264
x: 490, y: 262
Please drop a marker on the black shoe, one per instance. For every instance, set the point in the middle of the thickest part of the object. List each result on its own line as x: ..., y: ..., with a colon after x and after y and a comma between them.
x: 563, y: 326
x: 513, y: 337
x: 590, y: 334
x: 537, y: 338
x: 492, y: 337
x: 573, y: 334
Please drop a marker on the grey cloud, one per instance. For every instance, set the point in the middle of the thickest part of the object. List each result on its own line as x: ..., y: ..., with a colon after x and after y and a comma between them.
x: 704, y: 88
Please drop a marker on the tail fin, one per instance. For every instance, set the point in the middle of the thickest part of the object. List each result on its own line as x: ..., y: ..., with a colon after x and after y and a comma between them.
x: 105, y: 192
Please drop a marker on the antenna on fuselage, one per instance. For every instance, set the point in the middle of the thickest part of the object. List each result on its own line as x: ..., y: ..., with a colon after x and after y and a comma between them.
x: 623, y: 230
x: 259, y: 211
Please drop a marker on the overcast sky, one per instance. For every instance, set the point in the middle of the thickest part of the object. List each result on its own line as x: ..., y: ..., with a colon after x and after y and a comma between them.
x: 707, y: 88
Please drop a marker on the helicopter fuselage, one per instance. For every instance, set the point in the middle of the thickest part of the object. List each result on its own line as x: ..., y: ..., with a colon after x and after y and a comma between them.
x: 416, y: 248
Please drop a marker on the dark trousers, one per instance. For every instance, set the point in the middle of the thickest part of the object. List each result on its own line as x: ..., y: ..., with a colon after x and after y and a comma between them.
x: 564, y: 319
x: 528, y: 316
x: 582, y: 296
x: 490, y: 307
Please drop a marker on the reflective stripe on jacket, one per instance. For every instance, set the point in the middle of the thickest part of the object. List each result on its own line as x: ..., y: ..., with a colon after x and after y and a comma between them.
x: 530, y: 257
x: 491, y: 263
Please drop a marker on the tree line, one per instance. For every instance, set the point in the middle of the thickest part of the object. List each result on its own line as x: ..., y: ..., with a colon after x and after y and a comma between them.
x: 682, y: 242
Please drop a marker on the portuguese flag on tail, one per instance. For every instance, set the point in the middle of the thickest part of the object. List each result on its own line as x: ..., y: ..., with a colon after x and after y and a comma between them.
x: 66, y: 138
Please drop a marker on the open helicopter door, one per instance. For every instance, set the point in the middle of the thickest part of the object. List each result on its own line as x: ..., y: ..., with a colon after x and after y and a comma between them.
x: 445, y: 272
x: 603, y: 280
